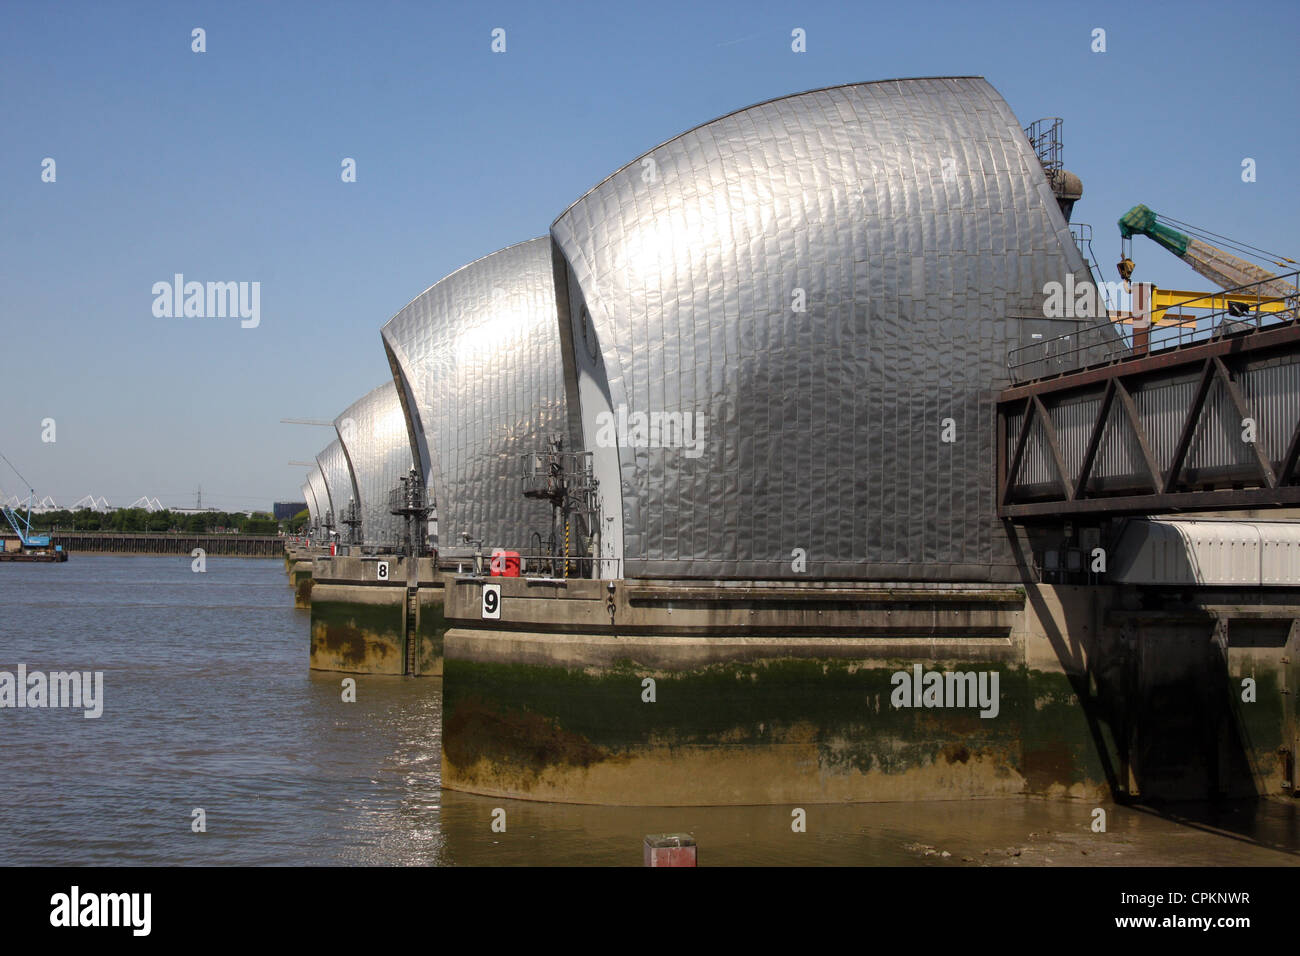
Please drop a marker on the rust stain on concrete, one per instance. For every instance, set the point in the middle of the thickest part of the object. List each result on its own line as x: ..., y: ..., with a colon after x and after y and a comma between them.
x: 520, y: 739
x: 344, y: 647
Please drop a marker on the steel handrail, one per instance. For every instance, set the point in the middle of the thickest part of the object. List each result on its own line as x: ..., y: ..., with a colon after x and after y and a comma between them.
x: 1110, y: 341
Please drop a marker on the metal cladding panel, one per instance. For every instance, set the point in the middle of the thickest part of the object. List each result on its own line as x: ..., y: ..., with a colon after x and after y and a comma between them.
x: 378, y: 449
x: 319, y: 494
x: 310, y: 497
x: 338, y: 478
x: 1280, y: 554
x: 478, y: 354
x: 913, y: 222
x: 1208, y: 552
x: 1153, y: 552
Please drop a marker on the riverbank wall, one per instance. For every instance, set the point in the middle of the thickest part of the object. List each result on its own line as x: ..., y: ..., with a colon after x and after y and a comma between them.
x: 225, y: 545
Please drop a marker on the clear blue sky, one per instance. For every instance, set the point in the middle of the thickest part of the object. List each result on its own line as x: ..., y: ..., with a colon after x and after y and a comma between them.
x: 225, y: 166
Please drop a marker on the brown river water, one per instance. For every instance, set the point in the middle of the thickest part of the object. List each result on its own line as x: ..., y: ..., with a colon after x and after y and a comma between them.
x: 208, y: 704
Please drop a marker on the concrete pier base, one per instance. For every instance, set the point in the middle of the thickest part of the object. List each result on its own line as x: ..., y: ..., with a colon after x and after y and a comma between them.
x: 733, y: 694
x: 300, y: 579
x: 298, y: 562
x: 363, y: 623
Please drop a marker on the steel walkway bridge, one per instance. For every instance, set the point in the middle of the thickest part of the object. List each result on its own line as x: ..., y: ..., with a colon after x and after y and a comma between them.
x: 1194, y: 409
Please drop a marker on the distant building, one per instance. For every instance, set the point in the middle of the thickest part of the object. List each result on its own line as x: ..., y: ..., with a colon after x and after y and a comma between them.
x: 284, y: 510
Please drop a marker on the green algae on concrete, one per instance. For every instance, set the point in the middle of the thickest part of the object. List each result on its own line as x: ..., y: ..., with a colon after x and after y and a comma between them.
x: 369, y: 636
x: 358, y: 638
x: 1261, y: 723
x: 1059, y: 743
x: 830, y: 719
x: 698, y: 705
x: 431, y: 624
x: 786, y: 696
x: 364, y: 623
x: 301, y: 579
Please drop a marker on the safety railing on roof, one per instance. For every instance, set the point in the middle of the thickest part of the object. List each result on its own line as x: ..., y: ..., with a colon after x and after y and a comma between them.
x: 1240, y: 311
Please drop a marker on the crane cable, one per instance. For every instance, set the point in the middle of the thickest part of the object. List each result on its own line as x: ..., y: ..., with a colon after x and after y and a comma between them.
x: 16, y: 472
x: 1244, y: 247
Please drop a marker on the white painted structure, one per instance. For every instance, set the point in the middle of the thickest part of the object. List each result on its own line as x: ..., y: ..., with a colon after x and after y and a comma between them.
x: 1220, y: 552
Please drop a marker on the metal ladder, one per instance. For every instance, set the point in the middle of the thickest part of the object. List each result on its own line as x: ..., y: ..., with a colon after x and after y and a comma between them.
x: 412, y: 609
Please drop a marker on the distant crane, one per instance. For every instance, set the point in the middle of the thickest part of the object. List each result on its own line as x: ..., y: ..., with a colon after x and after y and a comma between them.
x: 22, y: 524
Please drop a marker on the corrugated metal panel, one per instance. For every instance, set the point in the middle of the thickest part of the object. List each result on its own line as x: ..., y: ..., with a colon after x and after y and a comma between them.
x: 1073, y: 422
x: 915, y: 221
x: 1152, y: 553
x: 1272, y: 392
x: 1216, y: 553
x: 1218, y: 441
x: 1162, y: 410
x: 1038, y: 472
x: 478, y: 356
x: 1280, y: 555
x: 1119, y: 455
x: 375, y: 439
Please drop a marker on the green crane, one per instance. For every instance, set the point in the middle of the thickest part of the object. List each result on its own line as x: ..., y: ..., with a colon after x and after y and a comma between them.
x: 1226, y: 270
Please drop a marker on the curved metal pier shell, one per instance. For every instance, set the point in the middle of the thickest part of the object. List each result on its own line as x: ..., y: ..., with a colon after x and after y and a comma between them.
x: 374, y: 436
x: 476, y: 361
x: 787, y: 327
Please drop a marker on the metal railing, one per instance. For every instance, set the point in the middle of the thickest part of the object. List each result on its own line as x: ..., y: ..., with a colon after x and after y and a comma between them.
x: 1045, y: 137
x: 556, y: 473
x: 1190, y: 321
x: 532, y: 564
x: 409, y: 496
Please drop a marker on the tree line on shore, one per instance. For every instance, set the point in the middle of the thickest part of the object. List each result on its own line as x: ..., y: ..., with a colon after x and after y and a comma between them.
x: 140, y: 521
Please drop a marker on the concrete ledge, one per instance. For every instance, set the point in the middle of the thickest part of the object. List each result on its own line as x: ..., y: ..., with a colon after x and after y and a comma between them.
x: 824, y: 595
x: 583, y: 606
x: 356, y: 569
x: 699, y: 695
